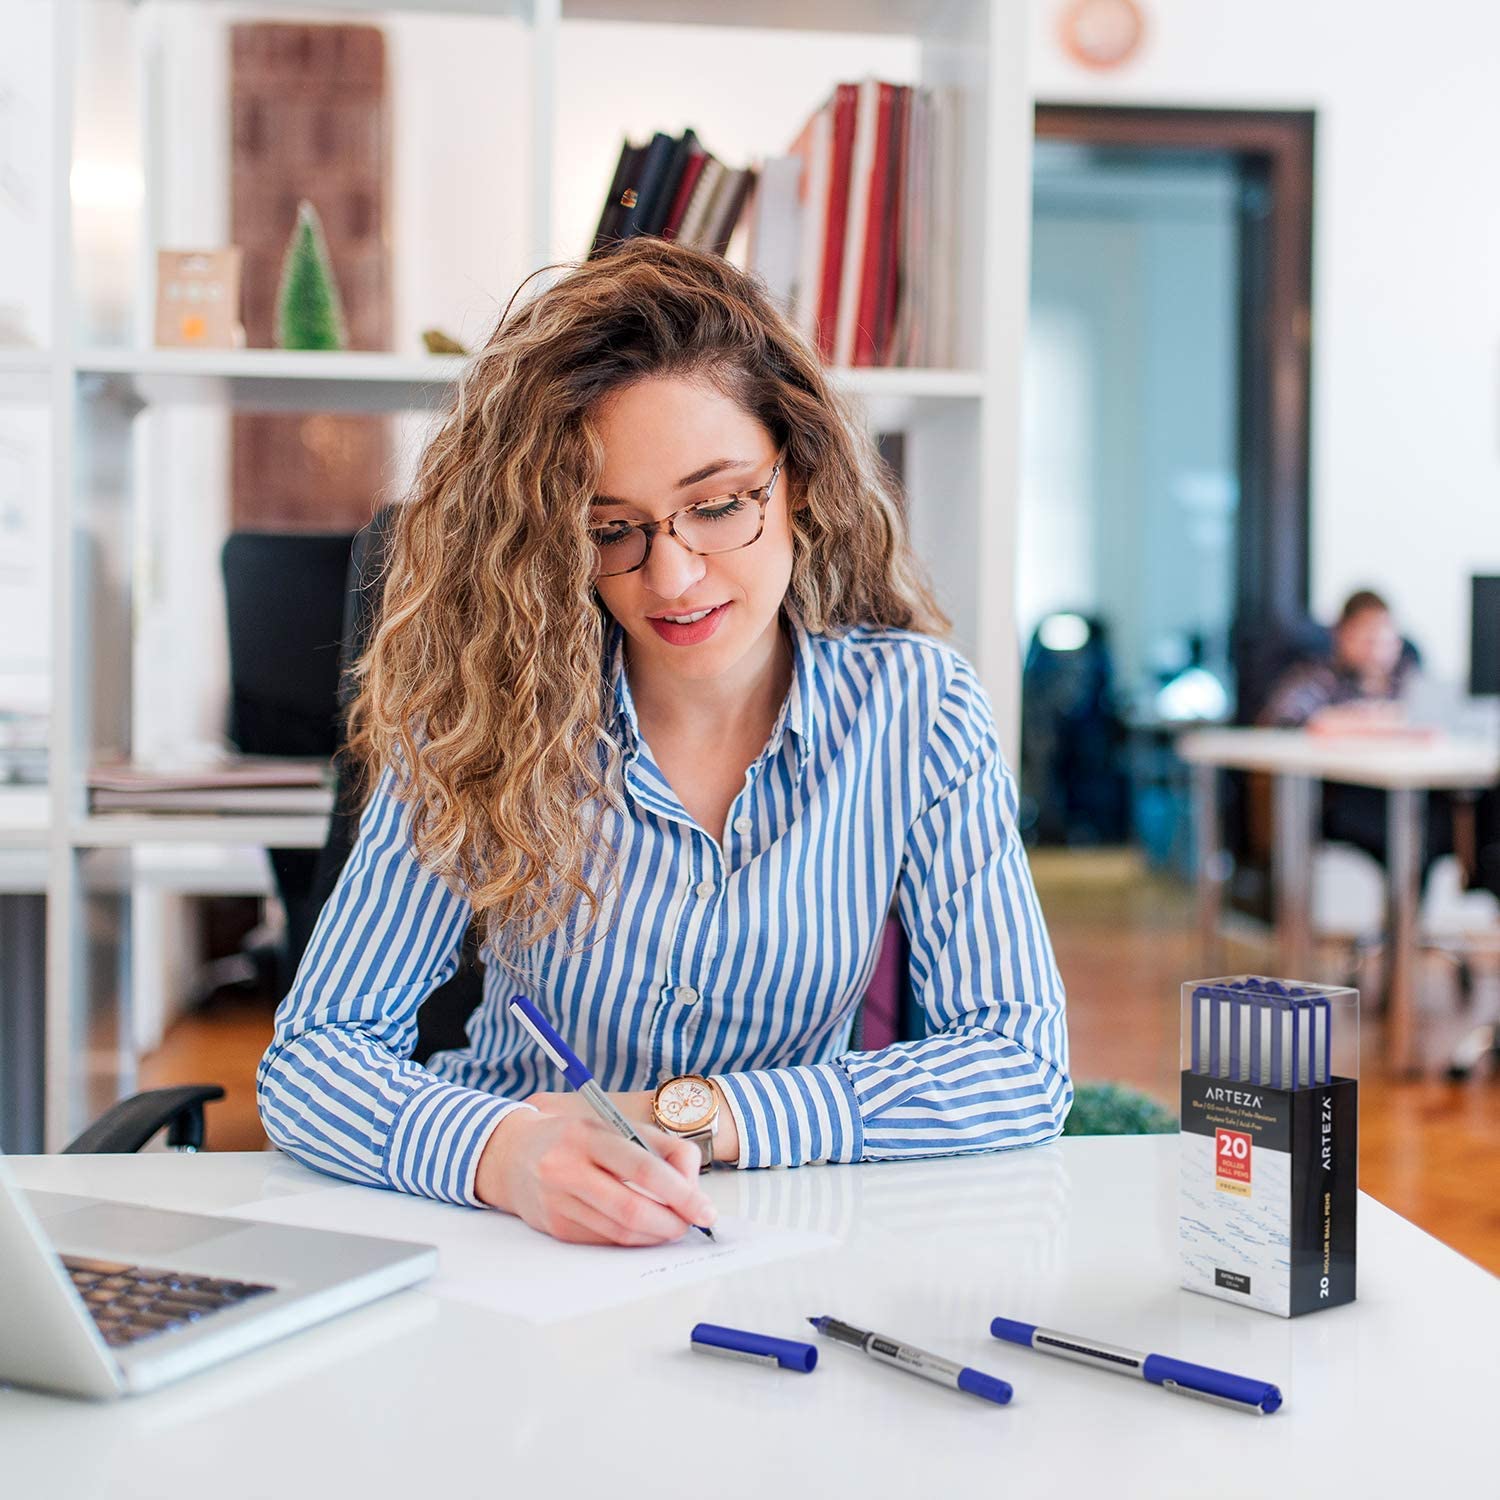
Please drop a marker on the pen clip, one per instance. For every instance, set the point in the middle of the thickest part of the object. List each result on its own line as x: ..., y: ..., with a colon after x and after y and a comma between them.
x: 720, y: 1352
x: 1233, y: 1405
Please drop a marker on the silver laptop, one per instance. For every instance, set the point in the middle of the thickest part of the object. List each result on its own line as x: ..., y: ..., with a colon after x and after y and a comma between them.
x: 107, y: 1299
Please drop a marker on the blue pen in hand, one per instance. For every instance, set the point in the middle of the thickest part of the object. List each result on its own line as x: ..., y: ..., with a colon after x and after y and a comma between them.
x: 546, y: 1037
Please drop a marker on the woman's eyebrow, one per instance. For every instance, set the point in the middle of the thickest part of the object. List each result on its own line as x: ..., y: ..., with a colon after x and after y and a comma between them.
x: 718, y: 466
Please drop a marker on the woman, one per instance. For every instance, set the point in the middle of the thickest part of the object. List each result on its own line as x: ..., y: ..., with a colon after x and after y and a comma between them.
x: 654, y: 696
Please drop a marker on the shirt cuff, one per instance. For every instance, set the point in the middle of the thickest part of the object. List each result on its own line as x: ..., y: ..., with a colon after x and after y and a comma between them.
x: 438, y: 1137
x: 787, y: 1117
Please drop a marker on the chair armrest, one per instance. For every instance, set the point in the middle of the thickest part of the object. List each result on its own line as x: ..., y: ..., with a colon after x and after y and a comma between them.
x: 128, y: 1125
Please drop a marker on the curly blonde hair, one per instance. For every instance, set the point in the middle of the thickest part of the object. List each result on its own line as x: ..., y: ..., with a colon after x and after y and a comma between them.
x: 484, y: 689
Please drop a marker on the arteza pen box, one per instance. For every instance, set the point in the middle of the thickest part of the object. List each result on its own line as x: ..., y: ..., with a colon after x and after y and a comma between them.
x: 1269, y: 1167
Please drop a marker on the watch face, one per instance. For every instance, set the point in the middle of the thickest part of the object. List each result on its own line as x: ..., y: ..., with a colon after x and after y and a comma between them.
x: 685, y: 1103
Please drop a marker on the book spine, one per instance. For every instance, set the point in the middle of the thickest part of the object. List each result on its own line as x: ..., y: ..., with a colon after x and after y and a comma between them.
x: 867, y: 316
x: 860, y: 167
x: 893, y: 267
x: 691, y: 171
x: 845, y: 111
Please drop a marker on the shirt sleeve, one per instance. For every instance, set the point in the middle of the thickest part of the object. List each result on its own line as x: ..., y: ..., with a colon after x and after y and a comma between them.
x: 336, y: 1088
x: 993, y: 1069
x: 1297, y: 696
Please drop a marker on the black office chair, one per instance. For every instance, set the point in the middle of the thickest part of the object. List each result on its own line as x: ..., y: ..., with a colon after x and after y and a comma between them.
x: 284, y: 600
x: 442, y: 1016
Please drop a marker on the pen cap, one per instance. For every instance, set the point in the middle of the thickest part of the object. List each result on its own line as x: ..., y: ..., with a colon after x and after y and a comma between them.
x: 1157, y: 1369
x: 790, y: 1354
x: 1016, y: 1333
x: 550, y: 1041
x: 990, y: 1387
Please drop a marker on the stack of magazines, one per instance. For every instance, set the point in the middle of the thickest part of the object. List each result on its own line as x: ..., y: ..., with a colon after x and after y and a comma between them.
x: 854, y: 230
x: 268, y: 785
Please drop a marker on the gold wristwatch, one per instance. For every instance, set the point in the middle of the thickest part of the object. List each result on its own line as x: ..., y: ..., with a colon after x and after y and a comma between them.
x: 688, y: 1105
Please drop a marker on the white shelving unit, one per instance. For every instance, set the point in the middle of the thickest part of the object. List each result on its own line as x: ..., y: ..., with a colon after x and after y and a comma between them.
x: 961, y: 425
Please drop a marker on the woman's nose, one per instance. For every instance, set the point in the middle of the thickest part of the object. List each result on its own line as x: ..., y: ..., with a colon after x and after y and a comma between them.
x: 671, y: 570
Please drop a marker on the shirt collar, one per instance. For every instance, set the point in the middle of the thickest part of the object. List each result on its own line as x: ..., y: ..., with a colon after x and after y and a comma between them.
x: 798, y: 713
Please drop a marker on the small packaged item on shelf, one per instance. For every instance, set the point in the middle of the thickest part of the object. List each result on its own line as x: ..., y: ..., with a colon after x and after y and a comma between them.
x: 198, y: 299
x: 1269, y: 1165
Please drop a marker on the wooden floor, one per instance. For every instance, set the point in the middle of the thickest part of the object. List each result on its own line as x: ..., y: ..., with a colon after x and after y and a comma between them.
x: 1125, y: 942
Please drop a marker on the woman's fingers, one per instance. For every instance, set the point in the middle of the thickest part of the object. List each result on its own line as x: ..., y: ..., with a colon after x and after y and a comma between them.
x: 672, y: 1183
x: 580, y: 1223
x: 638, y: 1217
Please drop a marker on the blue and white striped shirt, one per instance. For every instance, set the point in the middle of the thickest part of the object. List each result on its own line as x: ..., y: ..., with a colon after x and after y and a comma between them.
x: 882, y: 781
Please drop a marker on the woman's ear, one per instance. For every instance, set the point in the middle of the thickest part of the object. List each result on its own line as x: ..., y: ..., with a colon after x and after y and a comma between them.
x: 796, y: 491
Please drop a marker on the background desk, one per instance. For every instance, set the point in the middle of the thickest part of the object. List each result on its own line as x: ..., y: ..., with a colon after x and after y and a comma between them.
x: 1298, y: 762
x: 1392, y: 1395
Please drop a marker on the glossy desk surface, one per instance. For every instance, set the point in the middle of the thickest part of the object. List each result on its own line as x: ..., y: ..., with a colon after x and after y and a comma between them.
x: 1398, y: 1393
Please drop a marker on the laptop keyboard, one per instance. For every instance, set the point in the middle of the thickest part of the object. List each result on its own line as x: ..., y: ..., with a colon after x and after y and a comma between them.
x: 131, y: 1303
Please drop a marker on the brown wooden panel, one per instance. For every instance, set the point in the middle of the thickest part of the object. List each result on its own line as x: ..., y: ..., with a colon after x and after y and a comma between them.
x: 310, y: 119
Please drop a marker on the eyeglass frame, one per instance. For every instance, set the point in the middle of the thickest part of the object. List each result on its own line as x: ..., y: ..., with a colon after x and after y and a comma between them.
x: 762, y: 495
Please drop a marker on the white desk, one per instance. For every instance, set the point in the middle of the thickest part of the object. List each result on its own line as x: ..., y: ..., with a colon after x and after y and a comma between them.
x: 1298, y: 761
x: 1393, y: 1395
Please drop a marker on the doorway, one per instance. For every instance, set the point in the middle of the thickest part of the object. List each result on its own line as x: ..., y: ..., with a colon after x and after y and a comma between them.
x: 1164, y: 521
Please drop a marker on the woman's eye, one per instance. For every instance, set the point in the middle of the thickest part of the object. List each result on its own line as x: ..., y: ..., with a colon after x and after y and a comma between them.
x: 609, y: 536
x: 729, y: 506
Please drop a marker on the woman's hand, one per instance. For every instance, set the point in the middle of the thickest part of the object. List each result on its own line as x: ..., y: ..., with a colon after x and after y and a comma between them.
x: 564, y: 1172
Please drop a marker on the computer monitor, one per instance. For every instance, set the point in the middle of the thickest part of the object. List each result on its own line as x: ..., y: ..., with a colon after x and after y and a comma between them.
x: 1484, y: 638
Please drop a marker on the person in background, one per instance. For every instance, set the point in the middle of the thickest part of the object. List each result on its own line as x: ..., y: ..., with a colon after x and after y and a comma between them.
x: 1358, y: 688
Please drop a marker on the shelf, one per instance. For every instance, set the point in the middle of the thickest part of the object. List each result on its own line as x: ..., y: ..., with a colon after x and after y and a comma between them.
x: 25, y: 362
x: 862, y: 17
x: 124, y: 537
x: 128, y: 830
x: 25, y: 375
x: 276, y: 379
x: 216, y: 869
x: 25, y: 817
x: 520, y: 10
x: 865, y: 17
x: 273, y: 379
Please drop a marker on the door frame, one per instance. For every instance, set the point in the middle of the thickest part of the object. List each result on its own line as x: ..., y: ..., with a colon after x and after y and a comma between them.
x: 1274, y: 149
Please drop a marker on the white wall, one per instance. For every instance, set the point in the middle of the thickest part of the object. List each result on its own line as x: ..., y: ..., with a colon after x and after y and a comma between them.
x: 1406, y: 309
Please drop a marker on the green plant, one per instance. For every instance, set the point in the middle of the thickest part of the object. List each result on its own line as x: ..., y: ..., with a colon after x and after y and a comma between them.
x: 1113, y: 1109
x: 308, y: 311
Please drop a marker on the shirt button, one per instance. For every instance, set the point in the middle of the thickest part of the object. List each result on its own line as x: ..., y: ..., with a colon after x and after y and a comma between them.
x: 743, y: 825
x: 705, y: 888
x: 688, y: 995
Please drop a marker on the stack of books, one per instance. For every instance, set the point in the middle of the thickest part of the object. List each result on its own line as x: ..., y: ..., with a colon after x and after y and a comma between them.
x: 676, y: 189
x: 267, y: 785
x: 854, y: 230
x: 865, y: 258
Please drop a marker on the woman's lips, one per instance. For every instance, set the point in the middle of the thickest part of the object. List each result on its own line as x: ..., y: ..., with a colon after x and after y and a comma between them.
x: 689, y: 635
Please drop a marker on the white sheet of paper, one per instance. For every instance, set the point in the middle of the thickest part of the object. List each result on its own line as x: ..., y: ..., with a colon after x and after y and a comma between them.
x: 494, y: 1260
